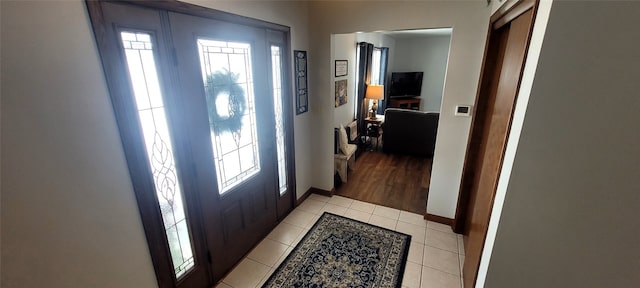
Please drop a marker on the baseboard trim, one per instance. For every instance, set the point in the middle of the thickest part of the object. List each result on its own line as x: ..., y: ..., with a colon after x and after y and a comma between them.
x: 303, y: 197
x: 322, y: 192
x: 439, y: 219
x: 313, y: 190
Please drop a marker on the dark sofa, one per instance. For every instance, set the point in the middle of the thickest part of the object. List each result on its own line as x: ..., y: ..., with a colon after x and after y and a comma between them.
x: 409, y: 132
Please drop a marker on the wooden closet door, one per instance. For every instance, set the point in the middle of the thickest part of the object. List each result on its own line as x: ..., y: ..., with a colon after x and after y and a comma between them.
x: 507, y: 46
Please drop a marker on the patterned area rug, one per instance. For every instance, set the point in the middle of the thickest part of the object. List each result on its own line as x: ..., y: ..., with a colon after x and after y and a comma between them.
x: 342, y: 252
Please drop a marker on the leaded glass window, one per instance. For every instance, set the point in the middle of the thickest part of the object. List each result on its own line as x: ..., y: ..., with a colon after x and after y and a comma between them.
x: 228, y: 85
x: 276, y: 71
x: 141, y: 64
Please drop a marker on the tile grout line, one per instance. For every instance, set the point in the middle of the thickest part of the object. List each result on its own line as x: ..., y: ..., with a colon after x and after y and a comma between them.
x: 441, y: 270
x: 370, y: 215
x: 425, y: 244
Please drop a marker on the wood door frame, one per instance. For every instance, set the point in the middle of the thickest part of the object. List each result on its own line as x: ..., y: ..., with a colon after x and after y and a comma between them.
x: 507, y: 12
x: 286, y: 114
x: 504, y: 15
x: 123, y: 104
x: 133, y: 144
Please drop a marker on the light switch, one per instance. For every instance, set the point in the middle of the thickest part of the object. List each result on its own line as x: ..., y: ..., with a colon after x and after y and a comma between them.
x: 463, y: 110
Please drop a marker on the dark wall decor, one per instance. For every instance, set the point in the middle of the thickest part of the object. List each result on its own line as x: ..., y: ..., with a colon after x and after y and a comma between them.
x: 302, y: 96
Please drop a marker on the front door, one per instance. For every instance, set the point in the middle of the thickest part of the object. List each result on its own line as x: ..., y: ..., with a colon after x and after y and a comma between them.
x: 223, y: 70
x: 202, y: 108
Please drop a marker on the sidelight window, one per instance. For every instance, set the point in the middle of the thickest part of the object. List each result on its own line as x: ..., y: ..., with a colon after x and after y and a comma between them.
x: 276, y: 71
x: 138, y: 49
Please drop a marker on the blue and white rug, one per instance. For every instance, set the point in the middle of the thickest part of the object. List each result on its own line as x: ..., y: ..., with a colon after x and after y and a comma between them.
x: 342, y: 252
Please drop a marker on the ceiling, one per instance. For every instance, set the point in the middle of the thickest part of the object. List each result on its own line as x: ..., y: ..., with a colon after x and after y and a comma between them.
x: 401, y: 34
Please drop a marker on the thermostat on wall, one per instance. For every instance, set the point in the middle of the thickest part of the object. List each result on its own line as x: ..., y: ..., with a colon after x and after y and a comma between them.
x: 463, y: 110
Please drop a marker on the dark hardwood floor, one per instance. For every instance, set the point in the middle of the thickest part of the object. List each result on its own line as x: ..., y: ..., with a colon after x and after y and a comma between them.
x: 396, y: 181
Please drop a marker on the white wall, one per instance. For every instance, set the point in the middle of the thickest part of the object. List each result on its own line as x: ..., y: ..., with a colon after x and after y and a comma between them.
x: 469, y: 20
x: 429, y: 55
x: 69, y: 215
x: 570, y: 213
x: 344, y: 48
x: 496, y: 4
x: 378, y: 39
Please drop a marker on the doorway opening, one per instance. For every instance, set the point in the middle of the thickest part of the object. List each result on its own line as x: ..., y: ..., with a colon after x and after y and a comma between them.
x: 382, y: 174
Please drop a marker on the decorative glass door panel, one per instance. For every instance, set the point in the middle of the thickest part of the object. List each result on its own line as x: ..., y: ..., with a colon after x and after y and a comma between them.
x: 276, y: 74
x: 225, y: 87
x: 191, y: 92
x: 139, y: 55
x: 229, y: 92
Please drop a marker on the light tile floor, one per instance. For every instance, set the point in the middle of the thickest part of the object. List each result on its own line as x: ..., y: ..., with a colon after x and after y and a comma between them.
x: 435, y: 257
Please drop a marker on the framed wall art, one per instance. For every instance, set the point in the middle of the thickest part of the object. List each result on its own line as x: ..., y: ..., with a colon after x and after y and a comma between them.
x: 342, y: 68
x: 341, y: 92
x: 300, y: 69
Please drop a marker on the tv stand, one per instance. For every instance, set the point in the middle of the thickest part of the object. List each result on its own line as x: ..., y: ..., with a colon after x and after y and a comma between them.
x: 405, y: 103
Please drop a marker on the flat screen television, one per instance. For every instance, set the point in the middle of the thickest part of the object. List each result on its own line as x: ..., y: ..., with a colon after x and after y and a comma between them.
x: 405, y: 84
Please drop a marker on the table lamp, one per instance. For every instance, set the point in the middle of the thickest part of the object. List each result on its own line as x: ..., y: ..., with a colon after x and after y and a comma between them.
x: 375, y: 93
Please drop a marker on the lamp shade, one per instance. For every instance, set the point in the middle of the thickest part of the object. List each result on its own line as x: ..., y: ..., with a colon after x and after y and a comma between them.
x: 375, y: 92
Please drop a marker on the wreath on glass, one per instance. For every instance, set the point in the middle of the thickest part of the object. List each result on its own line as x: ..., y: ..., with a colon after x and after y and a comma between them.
x: 225, y: 84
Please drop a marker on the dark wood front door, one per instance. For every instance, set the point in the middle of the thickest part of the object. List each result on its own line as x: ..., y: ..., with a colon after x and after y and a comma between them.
x: 236, y: 168
x: 202, y: 102
x: 506, y: 52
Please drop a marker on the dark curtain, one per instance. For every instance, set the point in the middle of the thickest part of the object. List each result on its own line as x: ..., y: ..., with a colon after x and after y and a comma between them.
x: 364, y: 54
x: 384, y: 60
